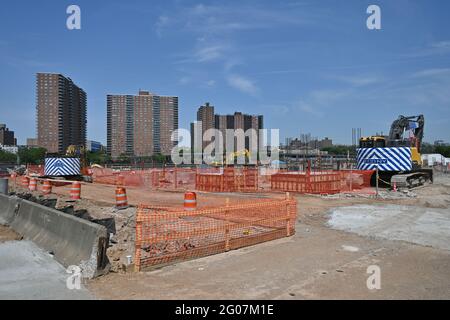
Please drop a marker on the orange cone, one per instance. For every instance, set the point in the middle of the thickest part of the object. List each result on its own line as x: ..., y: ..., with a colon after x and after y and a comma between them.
x: 25, y: 181
x: 121, y: 198
x: 47, y: 187
x: 190, y: 201
x: 33, y: 184
x: 75, y: 191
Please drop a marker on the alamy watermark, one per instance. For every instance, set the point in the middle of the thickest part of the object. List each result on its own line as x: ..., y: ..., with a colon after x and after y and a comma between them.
x: 73, y: 282
x: 374, y: 280
x: 73, y: 22
x: 374, y: 20
x: 225, y: 147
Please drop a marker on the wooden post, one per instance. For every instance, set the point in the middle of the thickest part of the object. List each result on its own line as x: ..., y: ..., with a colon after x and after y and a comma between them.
x: 351, y: 178
x: 377, y: 182
x: 138, y: 243
x: 175, y: 178
x: 288, y: 220
x: 227, y: 228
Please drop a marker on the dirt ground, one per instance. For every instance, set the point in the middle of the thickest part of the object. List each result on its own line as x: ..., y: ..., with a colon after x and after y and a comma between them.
x: 98, y: 203
x: 6, y: 234
x: 318, y: 262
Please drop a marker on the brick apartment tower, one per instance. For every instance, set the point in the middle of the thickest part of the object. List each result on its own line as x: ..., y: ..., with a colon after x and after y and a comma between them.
x: 140, y: 125
x: 239, y: 120
x: 205, y: 115
x: 6, y: 136
x: 61, y: 113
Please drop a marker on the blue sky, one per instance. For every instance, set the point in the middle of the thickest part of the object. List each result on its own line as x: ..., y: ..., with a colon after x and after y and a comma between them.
x: 307, y: 66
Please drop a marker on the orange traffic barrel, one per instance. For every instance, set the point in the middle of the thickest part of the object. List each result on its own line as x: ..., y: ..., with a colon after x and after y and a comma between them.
x: 75, y: 191
x: 33, y: 184
x: 25, y: 181
x: 47, y: 187
x: 121, y: 198
x: 190, y: 201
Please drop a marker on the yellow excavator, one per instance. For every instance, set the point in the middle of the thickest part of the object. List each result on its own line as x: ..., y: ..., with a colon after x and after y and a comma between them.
x: 232, y: 157
x: 235, y: 155
x: 397, y: 156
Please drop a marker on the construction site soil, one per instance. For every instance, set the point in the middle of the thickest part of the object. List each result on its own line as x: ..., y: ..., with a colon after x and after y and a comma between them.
x: 315, y: 263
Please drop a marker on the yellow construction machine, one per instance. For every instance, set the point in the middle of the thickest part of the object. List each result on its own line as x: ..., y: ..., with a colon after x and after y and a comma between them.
x: 397, y: 156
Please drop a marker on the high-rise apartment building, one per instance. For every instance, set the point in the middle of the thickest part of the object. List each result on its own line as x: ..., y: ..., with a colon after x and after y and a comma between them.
x: 239, y: 120
x: 61, y: 113
x: 141, y: 125
x: 205, y: 115
x: 6, y: 136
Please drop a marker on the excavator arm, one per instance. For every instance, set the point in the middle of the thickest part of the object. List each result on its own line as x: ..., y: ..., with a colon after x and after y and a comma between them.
x: 402, y: 124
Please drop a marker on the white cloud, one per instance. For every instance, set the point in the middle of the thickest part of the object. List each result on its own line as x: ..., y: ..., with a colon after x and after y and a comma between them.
x: 432, y: 73
x: 211, y: 83
x: 243, y: 84
x: 163, y: 22
x: 209, y: 53
x: 184, y: 80
x: 358, y: 81
x: 432, y: 49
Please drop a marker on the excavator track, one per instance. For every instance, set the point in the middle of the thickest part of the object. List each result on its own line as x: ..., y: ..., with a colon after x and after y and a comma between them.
x: 412, y: 180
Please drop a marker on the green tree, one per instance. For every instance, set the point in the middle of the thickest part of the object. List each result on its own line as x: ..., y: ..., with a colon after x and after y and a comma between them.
x: 159, y: 158
x: 7, y: 157
x: 427, y: 148
x: 32, y: 155
x: 99, y: 157
x: 124, y: 158
x: 444, y: 150
x: 339, y: 150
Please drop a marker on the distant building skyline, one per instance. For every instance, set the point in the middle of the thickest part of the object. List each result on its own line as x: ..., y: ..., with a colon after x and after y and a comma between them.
x: 61, y: 112
x: 207, y: 119
x: 141, y: 125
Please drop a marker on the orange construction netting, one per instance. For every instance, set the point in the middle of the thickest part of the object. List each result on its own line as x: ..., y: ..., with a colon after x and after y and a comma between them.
x: 228, y: 180
x: 322, y: 182
x: 231, y: 179
x: 166, y: 235
x: 166, y: 178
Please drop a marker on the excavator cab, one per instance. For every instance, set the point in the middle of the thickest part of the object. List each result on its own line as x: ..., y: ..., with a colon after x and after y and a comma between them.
x: 372, y: 142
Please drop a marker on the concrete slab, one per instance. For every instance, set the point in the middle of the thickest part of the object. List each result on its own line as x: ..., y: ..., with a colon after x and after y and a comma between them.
x: 423, y: 226
x: 29, y: 273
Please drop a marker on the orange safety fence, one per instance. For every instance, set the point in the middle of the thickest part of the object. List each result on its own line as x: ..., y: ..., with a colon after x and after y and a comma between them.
x: 321, y: 182
x: 166, y: 235
x: 166, y: 178
x: 356, y: 180
x: 228, y: 180
x: 231, y: 179
x: 34, y: 169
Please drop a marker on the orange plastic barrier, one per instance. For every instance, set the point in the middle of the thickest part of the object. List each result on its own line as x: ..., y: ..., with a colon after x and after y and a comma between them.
x: 321, y: 182
x: 121, y: 198
x: 33, y: 184
x: 165, y: 235
x: 35, y: 169
x: 75, y: 191
x: 25, y: 181
x: 47, y: 187
x: 190, y: 201
x: 229, y: 180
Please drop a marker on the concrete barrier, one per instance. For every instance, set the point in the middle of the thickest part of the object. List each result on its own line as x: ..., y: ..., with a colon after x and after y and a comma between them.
x: 8, y: 208
x: 72, y: 241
